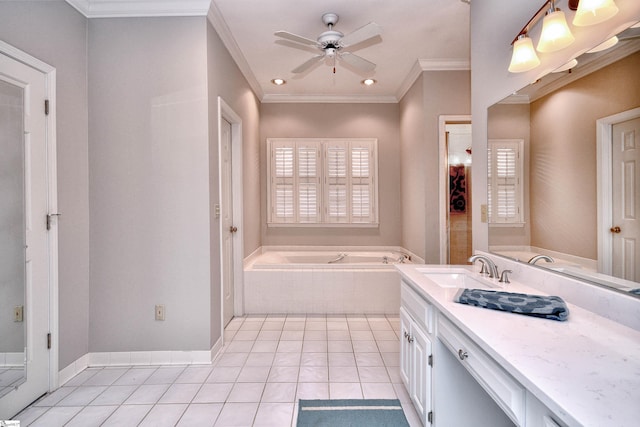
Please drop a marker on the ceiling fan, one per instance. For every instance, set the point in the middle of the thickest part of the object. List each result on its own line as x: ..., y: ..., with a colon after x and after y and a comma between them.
x: 334, y: 45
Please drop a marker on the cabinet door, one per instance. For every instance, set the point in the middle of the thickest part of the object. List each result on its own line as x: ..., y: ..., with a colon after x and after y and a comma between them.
x: 405, y: 349
x: 420, y: 372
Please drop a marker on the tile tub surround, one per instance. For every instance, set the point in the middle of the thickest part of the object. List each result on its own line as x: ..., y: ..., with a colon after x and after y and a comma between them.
x: 586, y: 370
x: 322, y: 288
x: 266, y: 365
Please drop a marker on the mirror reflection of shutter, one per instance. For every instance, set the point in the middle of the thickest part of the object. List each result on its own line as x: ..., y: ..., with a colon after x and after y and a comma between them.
x: 283, y: 183
x: 336, y: 182
x: 361, y: 182
x: 506, y: 183
x: 308, y: 175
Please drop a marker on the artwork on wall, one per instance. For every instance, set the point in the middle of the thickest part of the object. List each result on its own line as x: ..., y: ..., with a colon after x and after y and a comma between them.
x: 457, y: 189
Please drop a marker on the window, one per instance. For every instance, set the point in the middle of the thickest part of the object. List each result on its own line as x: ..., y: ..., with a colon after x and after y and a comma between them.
x: 504, y: 180
x: 322, y: 182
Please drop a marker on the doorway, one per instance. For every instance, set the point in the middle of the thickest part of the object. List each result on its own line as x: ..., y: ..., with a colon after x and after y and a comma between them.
x: 618, y: 202
x: 455, y: 190
x: 229, y: 211
x: 28, y: 229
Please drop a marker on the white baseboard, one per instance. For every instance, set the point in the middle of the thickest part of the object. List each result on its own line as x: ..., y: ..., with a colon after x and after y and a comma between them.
x: 139, y: 358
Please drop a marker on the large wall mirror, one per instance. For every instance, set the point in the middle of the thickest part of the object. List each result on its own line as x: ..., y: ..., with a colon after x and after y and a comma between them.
x: 12, y: 243
x: 578, y: 201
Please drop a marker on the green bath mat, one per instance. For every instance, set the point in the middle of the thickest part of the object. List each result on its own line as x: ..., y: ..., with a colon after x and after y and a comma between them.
x: 351, y: 413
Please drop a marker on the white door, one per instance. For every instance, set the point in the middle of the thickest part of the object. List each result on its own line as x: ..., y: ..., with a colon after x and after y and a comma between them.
x: 626, y: 200
x: 228, y: 228
x: 33, y: 154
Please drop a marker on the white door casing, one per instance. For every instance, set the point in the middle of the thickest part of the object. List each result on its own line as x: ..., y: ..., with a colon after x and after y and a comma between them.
x: 605, y: 202
x: 37, y: 80
x: 625, y: 226
x: 226, y: 113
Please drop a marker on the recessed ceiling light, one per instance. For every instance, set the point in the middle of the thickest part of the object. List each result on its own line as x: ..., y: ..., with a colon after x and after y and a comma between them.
x: 278, y: 82
x: 368, y: 82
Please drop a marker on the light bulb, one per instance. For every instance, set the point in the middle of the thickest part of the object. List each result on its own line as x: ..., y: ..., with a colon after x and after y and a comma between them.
x: 524, y: 57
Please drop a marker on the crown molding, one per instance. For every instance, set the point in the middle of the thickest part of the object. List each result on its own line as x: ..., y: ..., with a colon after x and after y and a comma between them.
x: 328, y: 99
x: 140, y: 8
x: 219, y: 24
x: 515, y: 99
x: 430, y: 65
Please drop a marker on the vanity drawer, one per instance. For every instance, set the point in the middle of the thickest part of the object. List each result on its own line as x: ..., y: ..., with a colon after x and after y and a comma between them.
x: 420, y: 309
x: 507, y: 392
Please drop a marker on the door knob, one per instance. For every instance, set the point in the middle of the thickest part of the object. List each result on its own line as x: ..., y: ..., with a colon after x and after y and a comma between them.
x: 233, y: 229
x: 615, y: 229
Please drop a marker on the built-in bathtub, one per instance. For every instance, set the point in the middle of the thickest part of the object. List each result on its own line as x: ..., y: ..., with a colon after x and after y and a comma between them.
x: 344, y: 280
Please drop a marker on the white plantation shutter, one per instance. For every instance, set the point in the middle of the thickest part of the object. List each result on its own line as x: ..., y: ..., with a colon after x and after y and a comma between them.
x: 505, y: 200
x: 362, y: 196
x: 282, y: 182
x: 308, y: 174
x: 337, y: 209
x: 331, y: 181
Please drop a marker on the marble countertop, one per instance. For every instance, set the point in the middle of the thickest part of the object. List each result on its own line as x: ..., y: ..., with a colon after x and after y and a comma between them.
x: 586, y: 370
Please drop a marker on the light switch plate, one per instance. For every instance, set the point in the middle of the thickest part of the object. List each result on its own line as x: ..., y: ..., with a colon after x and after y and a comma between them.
x: 18, y: 313
x: 160, y: 312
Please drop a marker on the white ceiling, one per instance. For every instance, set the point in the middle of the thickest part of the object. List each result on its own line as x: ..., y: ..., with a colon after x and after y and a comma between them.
x: 417, y: 35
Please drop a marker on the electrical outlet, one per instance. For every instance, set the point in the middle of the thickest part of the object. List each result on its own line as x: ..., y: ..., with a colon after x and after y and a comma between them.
x: 18, y: 313
x: 483, y: 213
x: 160, y: 312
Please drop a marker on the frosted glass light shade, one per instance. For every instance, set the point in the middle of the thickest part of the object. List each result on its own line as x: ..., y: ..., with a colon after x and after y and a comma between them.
x: 591, y: 12
x: 605, y: 45
x: 569, y: 65
x: 524, y: 57
x: 555, y: 34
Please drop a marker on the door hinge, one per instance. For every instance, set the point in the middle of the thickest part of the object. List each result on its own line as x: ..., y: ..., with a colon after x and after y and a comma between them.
x: 46, y: 107
x: 430, y: 360
x: 49, y: 341
x: 49, y: 217
x: 430, y: 417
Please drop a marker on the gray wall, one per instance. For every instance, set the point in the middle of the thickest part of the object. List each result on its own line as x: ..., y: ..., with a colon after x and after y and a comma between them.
x: 55, y: 33
x: 435, y: 93
x: 149, y: 184
x: 380, y: 121
x: 511, y: 121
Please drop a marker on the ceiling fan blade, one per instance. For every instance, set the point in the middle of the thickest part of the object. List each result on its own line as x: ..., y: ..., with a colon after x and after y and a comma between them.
x: 308, y: 64
x: 357, y: 61
x: 361, y: 34
x: 296, y: 38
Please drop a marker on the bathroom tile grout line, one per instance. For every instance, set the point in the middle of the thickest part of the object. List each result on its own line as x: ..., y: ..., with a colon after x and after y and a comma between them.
x: 351, y: 323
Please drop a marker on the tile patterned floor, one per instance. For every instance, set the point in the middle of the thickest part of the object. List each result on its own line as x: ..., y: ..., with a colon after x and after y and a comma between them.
x: 267, y: 364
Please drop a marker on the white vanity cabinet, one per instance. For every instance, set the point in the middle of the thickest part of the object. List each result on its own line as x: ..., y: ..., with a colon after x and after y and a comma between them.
x: 415, y: 350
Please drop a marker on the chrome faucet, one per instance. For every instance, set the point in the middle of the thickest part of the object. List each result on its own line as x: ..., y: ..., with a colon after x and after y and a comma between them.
x: 537, y: 258
x: 493, y: 270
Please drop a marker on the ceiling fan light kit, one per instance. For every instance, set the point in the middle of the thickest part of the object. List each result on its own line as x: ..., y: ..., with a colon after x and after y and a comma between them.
x: 333, y: 45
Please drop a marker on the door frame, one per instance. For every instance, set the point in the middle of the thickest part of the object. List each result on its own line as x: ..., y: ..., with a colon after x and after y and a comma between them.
x: 604, y: 143
x: 443, y: 173
x: 226, y: 112
x: 52, y: 197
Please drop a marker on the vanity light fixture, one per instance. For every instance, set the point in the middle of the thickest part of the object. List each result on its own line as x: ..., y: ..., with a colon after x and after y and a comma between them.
x: 591, y: 12
x: 555, y: 33
x: 278, y: 82
x: 524, y: 57
x: 368, y: 82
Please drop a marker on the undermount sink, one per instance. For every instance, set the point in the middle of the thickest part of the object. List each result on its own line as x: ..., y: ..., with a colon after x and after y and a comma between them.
x: 455, y: 279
